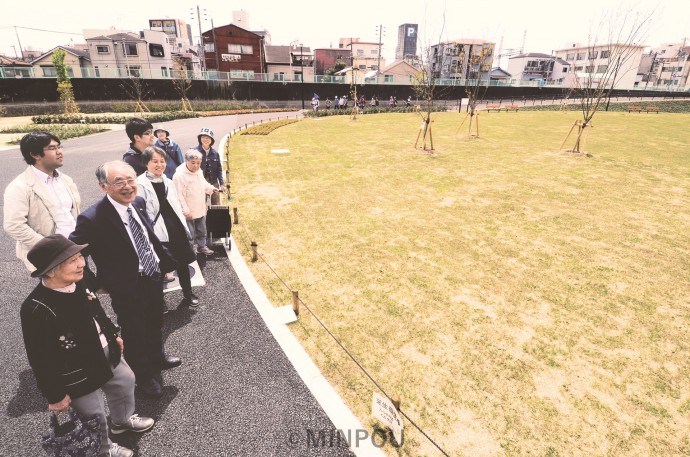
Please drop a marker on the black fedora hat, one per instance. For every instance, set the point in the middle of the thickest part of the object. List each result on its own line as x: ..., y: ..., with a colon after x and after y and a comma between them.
x: 50, y: 252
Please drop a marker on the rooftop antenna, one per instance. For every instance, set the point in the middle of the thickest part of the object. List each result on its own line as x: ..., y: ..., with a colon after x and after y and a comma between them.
x: 524, y: 37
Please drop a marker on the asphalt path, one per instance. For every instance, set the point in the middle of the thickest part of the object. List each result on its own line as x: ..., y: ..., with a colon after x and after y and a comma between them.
x: 236, y: 393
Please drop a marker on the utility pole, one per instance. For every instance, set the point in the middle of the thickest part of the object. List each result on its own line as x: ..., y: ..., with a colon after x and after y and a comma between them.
x: 215, y: 48
x: 202, y: 52
x: 378, y: 65
x: 21, y: 51
x: 301, y: 63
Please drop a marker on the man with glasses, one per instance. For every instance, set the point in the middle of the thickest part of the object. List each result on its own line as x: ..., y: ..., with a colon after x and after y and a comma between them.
x: 130, y: 262
x: 41, y: 201
x: 140, y: 133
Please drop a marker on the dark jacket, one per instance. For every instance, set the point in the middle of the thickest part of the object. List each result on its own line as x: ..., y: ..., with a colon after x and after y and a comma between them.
x: 174, y: 156
x: 115, y: 256
x: 62, y: 343
x: 211, y: 166
x: 133, y: 157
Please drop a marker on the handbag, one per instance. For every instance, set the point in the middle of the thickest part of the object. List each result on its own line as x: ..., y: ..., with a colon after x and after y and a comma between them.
x: 75, y: 438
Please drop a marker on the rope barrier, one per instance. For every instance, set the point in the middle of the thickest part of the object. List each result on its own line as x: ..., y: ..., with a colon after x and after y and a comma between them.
x: 247, y: 239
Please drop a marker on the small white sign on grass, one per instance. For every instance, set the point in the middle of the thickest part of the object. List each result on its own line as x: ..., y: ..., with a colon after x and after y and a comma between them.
x: 284, y: 315
x: 383, y: 410
x: 280, y: 151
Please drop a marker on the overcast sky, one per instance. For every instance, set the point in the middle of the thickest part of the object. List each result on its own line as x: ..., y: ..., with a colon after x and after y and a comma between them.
x: 544, y: 26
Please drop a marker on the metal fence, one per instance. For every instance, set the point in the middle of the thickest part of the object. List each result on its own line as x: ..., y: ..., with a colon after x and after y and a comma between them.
x: 243, y: 75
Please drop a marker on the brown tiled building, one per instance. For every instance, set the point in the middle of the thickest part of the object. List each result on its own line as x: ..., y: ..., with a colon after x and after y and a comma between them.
x: 230, y: 48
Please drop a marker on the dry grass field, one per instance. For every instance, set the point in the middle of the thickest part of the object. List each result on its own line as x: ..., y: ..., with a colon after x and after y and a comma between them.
x: 520, y: 300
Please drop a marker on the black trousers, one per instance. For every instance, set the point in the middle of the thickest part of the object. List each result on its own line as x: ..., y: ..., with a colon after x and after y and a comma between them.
x: 140, y: 315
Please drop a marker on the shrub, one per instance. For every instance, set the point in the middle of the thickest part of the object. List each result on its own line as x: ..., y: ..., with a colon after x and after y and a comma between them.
x: 61, y: 131
x: 108, y: 119
x: 267, y: 127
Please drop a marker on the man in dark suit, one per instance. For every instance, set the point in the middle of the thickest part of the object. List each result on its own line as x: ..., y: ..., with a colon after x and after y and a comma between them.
x: 130, y: 262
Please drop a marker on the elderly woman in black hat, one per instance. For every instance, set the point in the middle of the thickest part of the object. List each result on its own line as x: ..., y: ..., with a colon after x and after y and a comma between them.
x: 73, y: 347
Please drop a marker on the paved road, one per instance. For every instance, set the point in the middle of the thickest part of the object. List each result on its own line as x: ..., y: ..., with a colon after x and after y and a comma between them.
x: 236, y: 394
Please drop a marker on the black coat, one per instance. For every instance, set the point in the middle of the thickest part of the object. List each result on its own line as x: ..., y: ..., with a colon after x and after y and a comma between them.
x: 111, y: 248
x: 62, y: 343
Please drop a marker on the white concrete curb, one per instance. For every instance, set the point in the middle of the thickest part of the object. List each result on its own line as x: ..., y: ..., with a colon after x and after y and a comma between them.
x: 325, y: 395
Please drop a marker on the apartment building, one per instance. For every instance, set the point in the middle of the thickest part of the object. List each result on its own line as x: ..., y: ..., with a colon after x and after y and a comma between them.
x: 234, y: 50
x: 146, y: 54
x: 289, y: 63
x: 364, y: 55
x: 666, y: 66
x: 535, y: 66
x: 592, y: 62
x: 465, y: 58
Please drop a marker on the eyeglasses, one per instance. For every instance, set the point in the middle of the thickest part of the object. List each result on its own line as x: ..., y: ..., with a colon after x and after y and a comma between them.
x: 120, y: 183
x: 53, y: 147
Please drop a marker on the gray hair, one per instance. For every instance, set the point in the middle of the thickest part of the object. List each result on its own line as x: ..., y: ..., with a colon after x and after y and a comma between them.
x: 192, y: 154
x: 102, y: 170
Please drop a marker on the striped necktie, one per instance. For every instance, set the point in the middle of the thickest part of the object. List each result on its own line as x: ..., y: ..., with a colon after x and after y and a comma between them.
x: 143, y: 247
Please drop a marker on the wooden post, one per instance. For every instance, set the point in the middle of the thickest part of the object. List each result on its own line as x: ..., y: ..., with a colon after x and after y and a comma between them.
x: 255, y: 254
x: 295, y: 302
x: 395, y: 399
x: 236, y: 217
x: 568, y: 135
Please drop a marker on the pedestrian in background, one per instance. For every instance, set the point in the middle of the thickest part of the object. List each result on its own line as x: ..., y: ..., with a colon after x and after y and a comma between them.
x: 140, y: 133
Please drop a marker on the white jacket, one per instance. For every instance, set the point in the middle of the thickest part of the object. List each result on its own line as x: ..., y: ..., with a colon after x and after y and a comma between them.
x: 146, y: 191
x: 192, y: 189
x: 30, y: 211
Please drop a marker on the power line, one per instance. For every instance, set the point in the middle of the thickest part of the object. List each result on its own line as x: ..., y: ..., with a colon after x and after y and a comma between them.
x: 40, y: 30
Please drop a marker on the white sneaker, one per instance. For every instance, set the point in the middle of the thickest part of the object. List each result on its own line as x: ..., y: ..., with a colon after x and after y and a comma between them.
x: 119, y: 451
x: 134, y: 424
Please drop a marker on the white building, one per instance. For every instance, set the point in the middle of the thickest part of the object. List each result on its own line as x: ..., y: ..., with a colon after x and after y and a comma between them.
x: 594, y: 61
x: 667, y: 66
x: 534, y: 66
x: 146, y: 54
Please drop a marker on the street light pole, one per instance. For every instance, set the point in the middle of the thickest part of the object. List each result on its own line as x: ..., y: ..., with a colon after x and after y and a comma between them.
x: 301, y: 64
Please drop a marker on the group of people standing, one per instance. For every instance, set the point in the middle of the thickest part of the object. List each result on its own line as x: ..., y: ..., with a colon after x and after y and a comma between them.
x: 148, y: 224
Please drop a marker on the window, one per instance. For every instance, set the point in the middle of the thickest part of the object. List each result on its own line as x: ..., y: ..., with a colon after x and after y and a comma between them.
x: 593, y: 54
x: 570, y: 56
x: 362, y: 67
x: 589, y: 69
x: 97, y: 72
x: 578, y: 68
x: 374, y: 52
x: 565, y: 69
x: 605, y: 54
x: 103, y: 49
x: 164, y: 72
x: 48, y: 72
x: 133, y: 71
x: 360, y: 52
x: 581, y: 55
x: 130, y: 49
x: 387, y: 78
x: 156, y: 50
x: 240, y: 49
x: 602, y: 68
x: 209, y: 47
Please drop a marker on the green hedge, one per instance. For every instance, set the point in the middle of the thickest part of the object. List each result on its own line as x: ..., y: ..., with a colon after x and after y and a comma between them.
x: 665, y: 106
x: 108, y: 119
x: 63, y: 132
x: 156, y: 106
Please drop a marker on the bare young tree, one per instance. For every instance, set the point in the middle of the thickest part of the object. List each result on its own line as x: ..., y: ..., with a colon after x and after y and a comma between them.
x: 476, y: 60
x: 138, y: 90
x: 182, y: 83
x: 617, y: 40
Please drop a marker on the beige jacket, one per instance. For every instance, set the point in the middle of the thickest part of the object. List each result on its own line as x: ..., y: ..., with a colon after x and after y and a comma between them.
x: 192, y: 189
x: 30, y: 212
